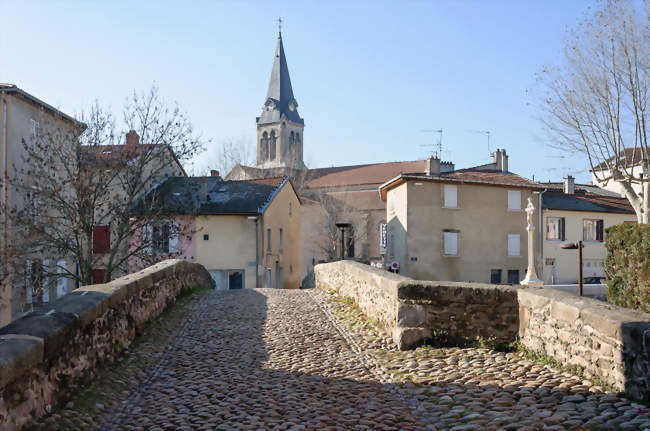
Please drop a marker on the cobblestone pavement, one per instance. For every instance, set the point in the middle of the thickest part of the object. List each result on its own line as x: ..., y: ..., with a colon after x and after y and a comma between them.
x: 292, y: 360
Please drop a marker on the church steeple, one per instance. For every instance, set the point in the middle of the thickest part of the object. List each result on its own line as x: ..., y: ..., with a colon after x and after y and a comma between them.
x: 280, y: 128
x: 279, y: 96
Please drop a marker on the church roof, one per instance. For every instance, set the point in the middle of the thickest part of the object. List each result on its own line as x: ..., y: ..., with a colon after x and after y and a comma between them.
x: 279, y: 97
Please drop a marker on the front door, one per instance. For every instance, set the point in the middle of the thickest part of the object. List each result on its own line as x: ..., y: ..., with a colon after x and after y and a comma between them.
x: 235, y: 280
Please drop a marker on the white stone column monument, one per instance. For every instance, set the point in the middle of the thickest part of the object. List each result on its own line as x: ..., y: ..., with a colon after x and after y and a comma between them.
x: 531, y: 279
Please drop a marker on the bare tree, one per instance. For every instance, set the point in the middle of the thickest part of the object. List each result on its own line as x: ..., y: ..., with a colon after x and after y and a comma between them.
x: 596, y: 101
x: 78, y: 180
x: 326, y: 236
x: 228, y: 154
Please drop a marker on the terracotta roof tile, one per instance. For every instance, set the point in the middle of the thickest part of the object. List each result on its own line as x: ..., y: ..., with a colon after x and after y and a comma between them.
x: 376, y: 173
x: 489, y: 177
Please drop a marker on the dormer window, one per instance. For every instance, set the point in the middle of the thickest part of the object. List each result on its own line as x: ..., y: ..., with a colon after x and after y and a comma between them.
x: 269, y: 105
x: 293, y: 105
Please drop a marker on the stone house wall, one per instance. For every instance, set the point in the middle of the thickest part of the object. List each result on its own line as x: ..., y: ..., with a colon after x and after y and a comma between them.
x: 45, y: 354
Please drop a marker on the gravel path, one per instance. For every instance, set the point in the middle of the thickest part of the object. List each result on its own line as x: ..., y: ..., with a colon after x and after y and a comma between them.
x: 294, y: 360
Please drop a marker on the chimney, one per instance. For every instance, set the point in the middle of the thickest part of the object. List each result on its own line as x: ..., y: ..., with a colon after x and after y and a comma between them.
x: 500, y: 160
x: 214, y: 173
x: 204, y: 190
x: 569, y: 185
x: 132, y: 140
x: 432, y: 166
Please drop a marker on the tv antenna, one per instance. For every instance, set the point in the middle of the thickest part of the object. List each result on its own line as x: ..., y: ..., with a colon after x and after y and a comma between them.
x: 486, y: 133
x: 439, y: 144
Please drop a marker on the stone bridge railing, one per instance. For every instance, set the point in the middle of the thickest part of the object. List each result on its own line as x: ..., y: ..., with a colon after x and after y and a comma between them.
x: 610, y: 342
x: 45, y: 353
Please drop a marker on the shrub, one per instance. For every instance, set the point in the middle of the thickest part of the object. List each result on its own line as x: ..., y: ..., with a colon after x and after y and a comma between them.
x: 628, y: 266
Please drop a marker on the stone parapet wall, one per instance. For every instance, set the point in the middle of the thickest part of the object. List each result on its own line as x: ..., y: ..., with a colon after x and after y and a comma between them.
x: 412, y: 310
x: 374, y: 290
x: 45, y: 354
x: 465, y: 312
x: 609, y: 342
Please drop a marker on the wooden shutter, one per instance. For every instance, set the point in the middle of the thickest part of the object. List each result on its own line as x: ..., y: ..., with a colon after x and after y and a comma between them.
x: 513, y: 244
x: 98, y: 276
x: 450, y: 196
x: 101, y: 239
x: 450, y: 243
x: 562, y: 231
x: 599, y: 230
x: 514, y: 200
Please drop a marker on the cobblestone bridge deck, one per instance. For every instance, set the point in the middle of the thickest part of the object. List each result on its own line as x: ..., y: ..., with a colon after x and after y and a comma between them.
x: 295, y: 360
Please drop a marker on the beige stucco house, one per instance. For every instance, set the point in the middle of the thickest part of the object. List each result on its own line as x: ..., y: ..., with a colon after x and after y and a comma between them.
x: 462, y: 225
x: 24, y: 119
x: 246, y: 233
x: 578, y: 212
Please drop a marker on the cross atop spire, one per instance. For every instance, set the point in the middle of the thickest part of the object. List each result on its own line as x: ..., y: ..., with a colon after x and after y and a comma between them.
x: 280, y: 26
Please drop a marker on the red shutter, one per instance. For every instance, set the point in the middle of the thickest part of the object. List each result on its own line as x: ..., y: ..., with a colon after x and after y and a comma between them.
x: 98, y: 276
x: 101, y: 239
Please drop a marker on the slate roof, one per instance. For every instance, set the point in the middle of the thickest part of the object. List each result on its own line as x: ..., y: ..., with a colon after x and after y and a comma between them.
x: 632, y: 156
x: 584, y: 201
x: 182, y: 196
x: 279, y: 96
x: 591, y: 188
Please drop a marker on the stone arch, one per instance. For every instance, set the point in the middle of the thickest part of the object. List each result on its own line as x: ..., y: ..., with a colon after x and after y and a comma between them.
x: 272, y: 145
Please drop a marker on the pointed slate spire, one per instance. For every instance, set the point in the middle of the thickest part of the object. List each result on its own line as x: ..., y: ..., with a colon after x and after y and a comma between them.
x: 279, y: 97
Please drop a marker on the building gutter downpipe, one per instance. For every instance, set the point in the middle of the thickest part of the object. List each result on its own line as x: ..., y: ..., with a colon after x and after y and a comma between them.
x: 4, y: 169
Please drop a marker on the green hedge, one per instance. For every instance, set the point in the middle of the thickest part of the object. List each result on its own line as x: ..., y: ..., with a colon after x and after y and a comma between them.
x: 628, y: 266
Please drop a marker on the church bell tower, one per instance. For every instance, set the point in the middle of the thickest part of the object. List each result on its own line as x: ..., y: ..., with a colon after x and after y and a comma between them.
x: 279, y: 127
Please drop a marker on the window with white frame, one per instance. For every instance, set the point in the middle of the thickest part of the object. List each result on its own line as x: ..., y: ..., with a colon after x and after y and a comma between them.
x: 450, y: 243
x: 514, y: 200
x: 555, y: 228
x: 592, y: 230
x: 450, y: 193
x: 514, y: 244
x: 160, y: 238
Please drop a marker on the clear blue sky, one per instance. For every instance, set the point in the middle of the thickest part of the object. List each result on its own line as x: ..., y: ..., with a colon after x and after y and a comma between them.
x: 368, y: 75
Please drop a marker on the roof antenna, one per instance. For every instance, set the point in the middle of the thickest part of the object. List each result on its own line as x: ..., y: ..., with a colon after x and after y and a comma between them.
x: 439, y: 145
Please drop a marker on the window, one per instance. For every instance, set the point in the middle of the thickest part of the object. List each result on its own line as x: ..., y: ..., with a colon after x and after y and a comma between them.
x: 513, y: 276
x: 495, y: 276
x: 514, y: 200
x: 34, y: 204
x: 272, y: 146
x: 513, y: 244
x: 450, y: 196
x: 450, y: 240
x: 592, y: 230
x: 290, y: 209
x: 161, y: 238
x: 280, y: 239
x: 555, y: 228
x: 206, y: 237
x: 101, y: 239
x: 268, y: 240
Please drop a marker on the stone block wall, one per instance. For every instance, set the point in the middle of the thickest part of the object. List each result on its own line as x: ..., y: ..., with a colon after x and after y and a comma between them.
x: 607, y: 341
x: 374, y: 290
x: 44, y: 354
x: 464, y: 311
x: 411, y: 310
